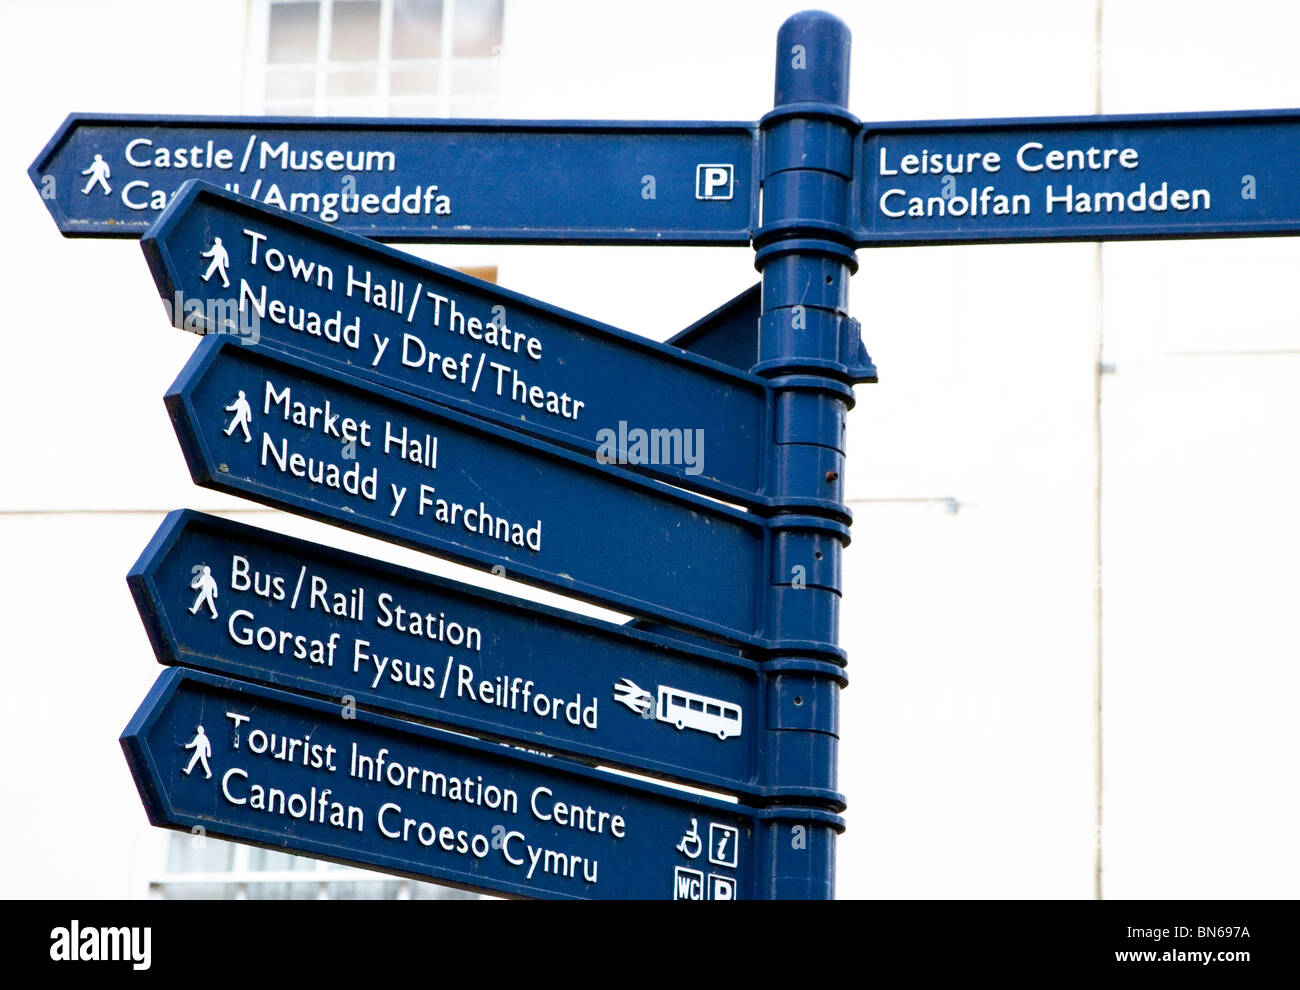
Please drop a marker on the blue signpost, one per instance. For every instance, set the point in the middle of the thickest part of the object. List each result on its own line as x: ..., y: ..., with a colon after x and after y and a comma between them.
x: 1079, y: 178
x: 105, y: 175
x: 234, y: 600
x: 317, y: 392
x: 351, y: 383
x: 417, y: 327
x: 274, y: 769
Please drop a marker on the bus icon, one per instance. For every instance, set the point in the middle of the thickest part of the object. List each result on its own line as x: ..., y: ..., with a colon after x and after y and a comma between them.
x: 696, y: 711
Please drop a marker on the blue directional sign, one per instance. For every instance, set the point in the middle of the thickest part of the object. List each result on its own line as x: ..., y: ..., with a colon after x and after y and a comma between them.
x: 294, y: 435
x: 225, y: 264
x: 915, y: 182
x: 235, y: 600
x: 257, y: 765
x: 1079, y: 178
x: 415, y: 180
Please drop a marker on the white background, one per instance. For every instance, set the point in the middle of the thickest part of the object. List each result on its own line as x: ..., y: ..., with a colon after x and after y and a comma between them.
x: 969, y: 740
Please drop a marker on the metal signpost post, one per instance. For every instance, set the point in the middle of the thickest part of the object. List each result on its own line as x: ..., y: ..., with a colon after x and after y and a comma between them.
x: 309, y: 693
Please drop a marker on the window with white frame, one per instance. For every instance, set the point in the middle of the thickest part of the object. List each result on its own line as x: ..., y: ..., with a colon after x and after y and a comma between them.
x: 199, y: 867
x: 419, y: 58
x: 425, y: 58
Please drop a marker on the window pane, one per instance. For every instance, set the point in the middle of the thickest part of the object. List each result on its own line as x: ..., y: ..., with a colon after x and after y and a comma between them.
x: 272, y: 859
x: 473, y: 108
x: 197, y: 892
x: 364, y: 890
x: 433, y: 892
x: 417, y: 28
x: 292, y: 35
x: 352, y: 83
x: 282, y: 891
x: 477, y: 30
x: 290, y: 108
x: 289, y: 84
x: 475, y: 78
x: 427, y: 106
x: 371, y: 107
x: 198, y: 854
x: 354, y: 36
x: 413, y: 82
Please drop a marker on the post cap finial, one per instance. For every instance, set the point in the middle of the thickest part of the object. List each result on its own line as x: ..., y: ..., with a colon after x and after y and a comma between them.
x: 812, y: 59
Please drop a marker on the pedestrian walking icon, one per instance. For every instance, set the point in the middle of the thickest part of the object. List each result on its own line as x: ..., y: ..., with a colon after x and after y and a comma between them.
x: 99, y: 174
x: 202, y: 750
x: 243, y: 416
x: 220, y: 260
x: 206, y: 585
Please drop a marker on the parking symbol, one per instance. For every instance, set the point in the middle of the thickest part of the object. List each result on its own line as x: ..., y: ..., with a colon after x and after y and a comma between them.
x: 721, y: 888
x: 714, y: 182
x: 723, y: 843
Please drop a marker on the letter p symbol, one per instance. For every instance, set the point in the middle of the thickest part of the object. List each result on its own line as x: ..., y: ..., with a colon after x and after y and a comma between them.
x: 714, y: 181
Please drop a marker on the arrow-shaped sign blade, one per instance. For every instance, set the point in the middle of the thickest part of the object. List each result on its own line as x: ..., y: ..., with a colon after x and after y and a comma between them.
x: 1079, y: 178
x: 424, y: 180
x: 234, y: 600
x: 425, y: 803
x: 223, y: 263
x: 291, y: 434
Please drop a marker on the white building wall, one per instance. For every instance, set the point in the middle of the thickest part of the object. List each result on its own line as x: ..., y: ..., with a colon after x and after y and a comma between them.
x: 968, y: 742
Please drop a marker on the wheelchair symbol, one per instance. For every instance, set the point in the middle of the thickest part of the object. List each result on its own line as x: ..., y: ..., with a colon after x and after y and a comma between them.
x: 691, y: 845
